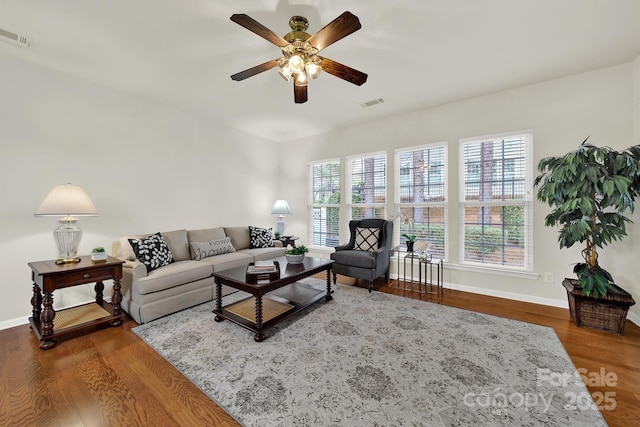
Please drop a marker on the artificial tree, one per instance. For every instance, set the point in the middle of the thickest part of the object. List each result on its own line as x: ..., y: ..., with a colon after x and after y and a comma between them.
x: 590, y: 189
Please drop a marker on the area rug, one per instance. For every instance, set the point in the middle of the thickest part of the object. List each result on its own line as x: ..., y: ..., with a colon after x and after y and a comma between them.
x: 373, y: 359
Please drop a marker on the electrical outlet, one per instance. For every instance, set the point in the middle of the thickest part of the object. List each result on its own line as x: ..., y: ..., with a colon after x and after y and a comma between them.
x: 548, y: 277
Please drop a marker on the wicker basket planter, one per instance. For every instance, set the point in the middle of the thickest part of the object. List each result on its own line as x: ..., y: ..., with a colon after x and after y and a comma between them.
x: 294, y: 259
x: 606, y: 313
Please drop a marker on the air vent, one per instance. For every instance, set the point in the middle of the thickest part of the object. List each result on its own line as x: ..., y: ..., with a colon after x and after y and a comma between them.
x: 372, y: 103
x: 15, y: 39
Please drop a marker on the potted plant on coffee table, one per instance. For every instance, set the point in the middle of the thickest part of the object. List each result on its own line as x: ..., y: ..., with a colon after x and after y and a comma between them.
x: 590, y: 189
x: 295, y: 255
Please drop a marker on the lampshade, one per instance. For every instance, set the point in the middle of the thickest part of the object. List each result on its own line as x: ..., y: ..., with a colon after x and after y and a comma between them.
x: 67, y: 200
x: 281, y: 207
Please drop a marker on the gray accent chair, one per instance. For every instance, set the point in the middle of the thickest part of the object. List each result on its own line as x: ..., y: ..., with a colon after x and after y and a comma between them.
x: 366, y: 265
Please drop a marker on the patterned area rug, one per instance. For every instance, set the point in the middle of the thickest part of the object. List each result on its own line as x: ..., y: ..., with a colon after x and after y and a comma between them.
x: 373, y: 359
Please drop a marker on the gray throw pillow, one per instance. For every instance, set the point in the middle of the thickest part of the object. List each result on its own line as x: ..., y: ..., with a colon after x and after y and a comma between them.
x: 201, y: 250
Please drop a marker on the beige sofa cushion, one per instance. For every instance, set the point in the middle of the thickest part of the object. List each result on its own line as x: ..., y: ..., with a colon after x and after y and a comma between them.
x: 178, y: 244
x: 239, y: 237
x: 262, y: 254
x: 206, y: 234
x: 126, y: 250
x: 176, y: 241
x: 227, y: 261
x: 171, y: 275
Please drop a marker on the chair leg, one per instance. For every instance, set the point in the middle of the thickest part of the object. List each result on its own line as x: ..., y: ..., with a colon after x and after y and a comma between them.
x: 334, y: 279
x: 370, y: 285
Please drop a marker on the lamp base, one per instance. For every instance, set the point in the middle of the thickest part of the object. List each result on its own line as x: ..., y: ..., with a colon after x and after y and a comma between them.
x: 280, y: 225
x: 67, y: 238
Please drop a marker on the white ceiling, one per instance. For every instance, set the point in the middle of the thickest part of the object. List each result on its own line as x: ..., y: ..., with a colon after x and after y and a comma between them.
x: 417, y: 53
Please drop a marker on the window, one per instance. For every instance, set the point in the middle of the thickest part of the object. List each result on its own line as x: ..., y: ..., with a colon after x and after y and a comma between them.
x: 367, y: 178
x: 325, y: 203
x: 495, y: 198
x: 420, y: 197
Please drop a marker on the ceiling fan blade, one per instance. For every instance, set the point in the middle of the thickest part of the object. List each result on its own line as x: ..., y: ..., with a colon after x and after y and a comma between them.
x: 335, y: 30
x: 299, y: 93
x: 255, y: 70
x: 342, y: 71
x: 256, y: 27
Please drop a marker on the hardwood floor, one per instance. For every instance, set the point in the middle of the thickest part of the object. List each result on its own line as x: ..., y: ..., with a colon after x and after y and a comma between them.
x: 112, y: 378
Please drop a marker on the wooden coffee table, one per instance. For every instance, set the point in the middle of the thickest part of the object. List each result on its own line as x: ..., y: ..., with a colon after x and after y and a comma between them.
x: 271, y: 301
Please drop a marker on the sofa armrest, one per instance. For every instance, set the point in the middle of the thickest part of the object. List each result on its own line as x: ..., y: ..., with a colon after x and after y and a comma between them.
x: 135, y: 269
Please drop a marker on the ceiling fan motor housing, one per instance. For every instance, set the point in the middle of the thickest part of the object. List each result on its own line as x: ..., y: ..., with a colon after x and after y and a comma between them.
x: 299, y: 26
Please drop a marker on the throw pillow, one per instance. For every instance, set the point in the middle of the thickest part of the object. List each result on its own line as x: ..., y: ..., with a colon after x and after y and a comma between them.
x: 201, y: 250
x: 366, y: 239
x: 152, y: 251
x: 260, y: 237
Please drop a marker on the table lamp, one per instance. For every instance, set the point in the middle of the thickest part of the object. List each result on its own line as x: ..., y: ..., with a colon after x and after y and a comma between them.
x: 66, y: 200
x: 280, y: 208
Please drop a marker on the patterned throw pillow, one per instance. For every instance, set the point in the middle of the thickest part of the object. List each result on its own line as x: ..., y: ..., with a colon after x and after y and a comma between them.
x: 260, y: 237
x: 366, y: 239
x: 201, y: 250
x: 152, y: 251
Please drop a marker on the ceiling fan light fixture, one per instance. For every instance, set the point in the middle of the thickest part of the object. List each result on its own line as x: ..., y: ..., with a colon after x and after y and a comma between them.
x: 301, y: 79
x: 313, y: 69
x: 285, y: 72
x: 296, y: 63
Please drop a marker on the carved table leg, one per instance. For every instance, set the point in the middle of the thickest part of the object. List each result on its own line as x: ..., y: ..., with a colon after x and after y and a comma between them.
x: 328, y: 297
x: 115, y: 300
x: 46, y: 317
x: 259, y: 336
x: 99, y: 288
x: 36, y: 302
x: 218, y: 318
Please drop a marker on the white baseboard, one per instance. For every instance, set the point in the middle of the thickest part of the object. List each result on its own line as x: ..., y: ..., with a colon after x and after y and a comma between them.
x: 563, y: 303
x: 634, y: 318
x: 510, y: 295
x: 11, y: 323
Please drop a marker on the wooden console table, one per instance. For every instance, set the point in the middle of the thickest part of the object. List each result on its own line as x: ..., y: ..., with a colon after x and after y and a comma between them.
x: 47, y: 276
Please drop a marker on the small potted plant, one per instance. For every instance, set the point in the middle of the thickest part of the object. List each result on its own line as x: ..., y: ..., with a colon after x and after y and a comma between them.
x: 295, y: 255
x: 98, y: 254
x: 411, y: 240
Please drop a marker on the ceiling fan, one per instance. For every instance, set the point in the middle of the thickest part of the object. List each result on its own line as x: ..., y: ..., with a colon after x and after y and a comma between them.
x: 300, y: 59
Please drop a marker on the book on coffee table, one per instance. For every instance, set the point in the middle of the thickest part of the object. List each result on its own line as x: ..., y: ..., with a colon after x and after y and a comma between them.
x: 264, y: 266
x: 263, y: 271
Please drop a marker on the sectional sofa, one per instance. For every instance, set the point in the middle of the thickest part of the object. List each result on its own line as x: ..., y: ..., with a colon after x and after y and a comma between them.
x: 152, y: 292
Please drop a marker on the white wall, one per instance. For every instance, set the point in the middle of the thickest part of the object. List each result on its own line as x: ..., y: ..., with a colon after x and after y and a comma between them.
x: 146, y: 167
x: 150, y: 167
x: 636, y: 100
x: 561, y: 113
